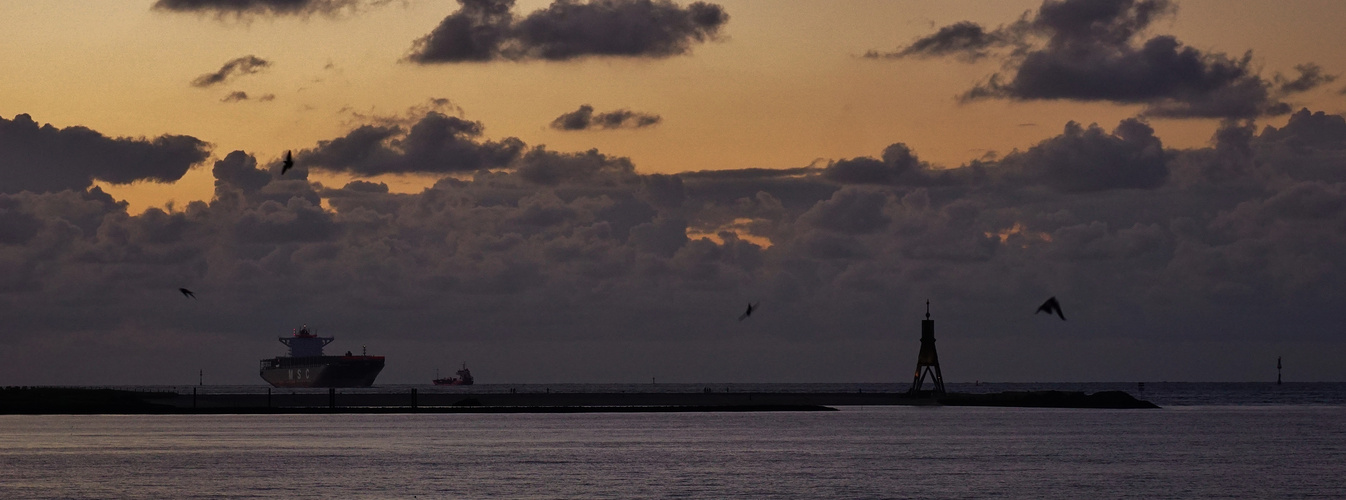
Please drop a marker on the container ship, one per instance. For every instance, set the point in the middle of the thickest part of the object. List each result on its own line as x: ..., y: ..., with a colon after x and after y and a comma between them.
x: 464, y: 378
x: 306, y: 366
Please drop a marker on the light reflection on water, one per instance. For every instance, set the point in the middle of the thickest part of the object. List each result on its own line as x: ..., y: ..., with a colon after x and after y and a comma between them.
x: 859, y: 452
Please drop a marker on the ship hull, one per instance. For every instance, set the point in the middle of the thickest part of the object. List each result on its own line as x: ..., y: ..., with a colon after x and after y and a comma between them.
x: 452, y: 381
x: 322, y: 371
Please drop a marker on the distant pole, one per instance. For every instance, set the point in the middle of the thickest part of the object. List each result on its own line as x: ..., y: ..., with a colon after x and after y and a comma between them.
x: 201, y: 377
x: 1278, y: 370
x: 193, y: 397
x: 331, y: 398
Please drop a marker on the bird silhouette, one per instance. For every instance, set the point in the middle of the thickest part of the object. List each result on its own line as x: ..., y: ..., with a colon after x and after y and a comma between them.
x: 187, y: 293
x: 287, y: 164
x: 1051, y: 306
x: 747, y: 313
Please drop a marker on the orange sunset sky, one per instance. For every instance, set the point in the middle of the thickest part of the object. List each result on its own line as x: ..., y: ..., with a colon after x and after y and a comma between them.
x: 784, y: 86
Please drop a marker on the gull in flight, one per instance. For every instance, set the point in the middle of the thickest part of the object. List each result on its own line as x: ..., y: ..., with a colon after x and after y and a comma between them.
x: 288, y: 164
x: 1051, y: 306
x: 747, y: 313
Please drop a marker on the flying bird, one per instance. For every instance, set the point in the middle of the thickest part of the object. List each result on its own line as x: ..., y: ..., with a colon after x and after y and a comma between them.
x: 747, y: 313
x: 187, y: 293
x: 287, y: 164
x: 1051, y: 306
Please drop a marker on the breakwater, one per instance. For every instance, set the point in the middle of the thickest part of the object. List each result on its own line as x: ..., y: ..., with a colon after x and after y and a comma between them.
x: 39, y: 400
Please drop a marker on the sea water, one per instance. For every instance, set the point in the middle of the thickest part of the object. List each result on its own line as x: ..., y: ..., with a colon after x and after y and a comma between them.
x: 1253, y: 448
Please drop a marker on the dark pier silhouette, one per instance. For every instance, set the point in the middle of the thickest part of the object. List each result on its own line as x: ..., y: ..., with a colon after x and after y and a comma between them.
x: 60, y: 400
x: 56, y: 400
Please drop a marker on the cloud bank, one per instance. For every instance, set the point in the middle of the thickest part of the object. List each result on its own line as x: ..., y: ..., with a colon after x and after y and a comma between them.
x: 542, y: 265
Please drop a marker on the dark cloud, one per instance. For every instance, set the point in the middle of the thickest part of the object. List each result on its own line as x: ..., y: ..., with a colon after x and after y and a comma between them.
x: 260, y: 7
x: 1090, y: 159
x: 245, y: 65
x: 240, y: 96
x: 437, y: 143
x: 898, y: 165
x: 585, y: 119
x: 851, y: 210
x: 45, y: 158
x: 1106, y: 22
x: 1311, y: 76
x: 487, y: 30
x: 1087, y: 50
x: 1154, y: 247
x: 476, y: 32
x: 547, y: 168
x: 1307, y: 129
x: 239, y: 170
x: 1175, y: 81
x: 966, y: 40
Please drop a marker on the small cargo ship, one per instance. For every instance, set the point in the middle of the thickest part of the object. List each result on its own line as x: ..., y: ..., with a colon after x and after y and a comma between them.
x: 464, y: 378
x: 306, y: 366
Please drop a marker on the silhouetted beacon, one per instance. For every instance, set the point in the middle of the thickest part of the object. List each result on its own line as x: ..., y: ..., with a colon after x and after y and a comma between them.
x: 927, y: 363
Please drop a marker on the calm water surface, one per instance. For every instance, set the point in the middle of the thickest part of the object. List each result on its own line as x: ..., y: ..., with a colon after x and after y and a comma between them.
x: 1266, y: 451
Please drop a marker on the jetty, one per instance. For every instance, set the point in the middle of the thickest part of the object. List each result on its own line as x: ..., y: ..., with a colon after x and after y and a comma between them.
x: 57, y: 400
x: 927, y: 389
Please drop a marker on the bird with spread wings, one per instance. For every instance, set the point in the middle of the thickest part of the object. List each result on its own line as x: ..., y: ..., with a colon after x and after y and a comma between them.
x: 287, y: 164
x: 1051, y: 306
x: 747, y: 313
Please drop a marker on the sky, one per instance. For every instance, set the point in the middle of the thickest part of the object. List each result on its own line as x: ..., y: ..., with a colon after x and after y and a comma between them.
x: 593, y: 190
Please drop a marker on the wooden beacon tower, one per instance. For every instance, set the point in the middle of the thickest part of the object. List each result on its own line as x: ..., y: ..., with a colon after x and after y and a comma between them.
x: 927, y: 362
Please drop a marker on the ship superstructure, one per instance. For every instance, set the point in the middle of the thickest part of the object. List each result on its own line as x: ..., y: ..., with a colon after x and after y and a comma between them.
x: 464, y: 378
x: 307, y: 366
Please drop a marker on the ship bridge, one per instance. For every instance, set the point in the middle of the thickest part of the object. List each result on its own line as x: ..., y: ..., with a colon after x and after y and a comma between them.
x: 305, y: 344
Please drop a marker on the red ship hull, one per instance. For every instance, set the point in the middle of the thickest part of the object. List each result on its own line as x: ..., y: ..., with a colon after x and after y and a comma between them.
x: 322, y: 371
x: 464, y: 378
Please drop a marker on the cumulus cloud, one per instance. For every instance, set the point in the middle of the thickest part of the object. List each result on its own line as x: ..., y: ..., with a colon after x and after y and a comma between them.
x: 42, y: 158
x: 544, y: 167
x: 488, y: 30
x: 897, y: 165
x: 437, y: 143
x: 246, y: 65
x: 1149, y: 246
x: 1089, y: 159
x: 1085, y: 50
x: 585, y: 119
